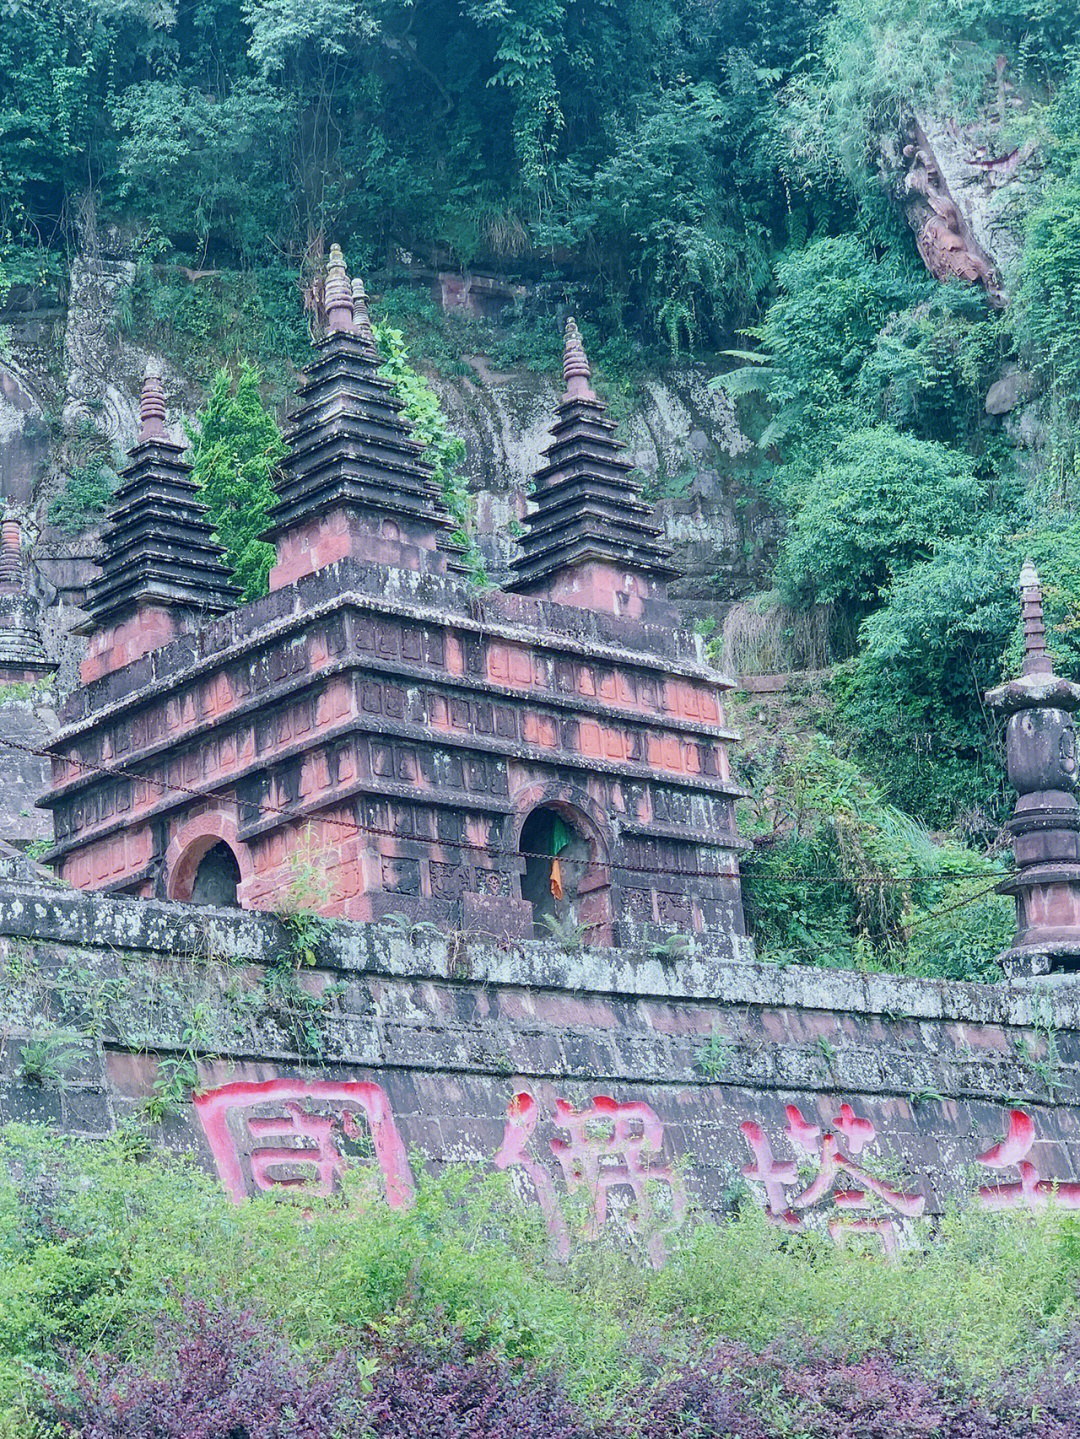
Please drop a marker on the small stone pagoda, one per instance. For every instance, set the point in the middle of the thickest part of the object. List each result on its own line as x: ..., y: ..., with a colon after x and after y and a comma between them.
x: 376, y: 736
x: 22, y: 652
x: 161, y: 570
x: 1045, y: 826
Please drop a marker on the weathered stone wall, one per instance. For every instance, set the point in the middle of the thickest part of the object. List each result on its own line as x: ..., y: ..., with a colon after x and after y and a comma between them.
x: 27, y: 724
x: 552, y: 1064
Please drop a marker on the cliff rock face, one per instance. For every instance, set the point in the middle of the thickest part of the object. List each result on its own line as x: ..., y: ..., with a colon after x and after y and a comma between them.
x: 684, y: 439
x: 956, y: 183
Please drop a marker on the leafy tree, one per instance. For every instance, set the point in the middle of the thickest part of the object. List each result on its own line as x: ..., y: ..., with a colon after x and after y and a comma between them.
x: 835, y: 295
x: 949, y: 630
x: 884, y: 501
x: 1048, y: 321
x: 236, y: 448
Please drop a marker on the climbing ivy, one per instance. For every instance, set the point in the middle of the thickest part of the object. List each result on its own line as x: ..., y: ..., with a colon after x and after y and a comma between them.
x: 444, y: 450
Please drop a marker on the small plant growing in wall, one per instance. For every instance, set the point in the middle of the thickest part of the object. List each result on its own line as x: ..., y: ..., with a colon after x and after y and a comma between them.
x: 567, y: 933
x: 674, y: 946
x: 308, y: 892
x: 48, y: 1059
x: 715, y: 1055
x: 412, y: 929
x: 827, y: 1050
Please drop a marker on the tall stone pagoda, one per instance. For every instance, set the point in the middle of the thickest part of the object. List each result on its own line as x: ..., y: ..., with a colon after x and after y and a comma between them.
x: 503, y: 763
x: 1042, y: 763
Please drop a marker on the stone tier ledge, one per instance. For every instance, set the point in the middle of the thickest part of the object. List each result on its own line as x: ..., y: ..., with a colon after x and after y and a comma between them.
x: 35, y: 912
x: 408, y: 594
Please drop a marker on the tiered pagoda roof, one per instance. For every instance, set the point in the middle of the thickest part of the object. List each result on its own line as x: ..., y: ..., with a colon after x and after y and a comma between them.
x: 22, y: 653
x: 158, y: 546
x: 350, y: 445
x: 587, y: 505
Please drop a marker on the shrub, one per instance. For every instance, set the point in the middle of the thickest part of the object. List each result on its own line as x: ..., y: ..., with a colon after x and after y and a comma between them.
x: 216, y: 1374
x: 86, y: 495
x: 841, y: 877
x: 884, y: 501
x: 948, y: 630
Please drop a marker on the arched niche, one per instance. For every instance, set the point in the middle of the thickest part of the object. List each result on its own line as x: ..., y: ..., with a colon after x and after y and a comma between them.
x: 565, y: 872
x: 206, y: 863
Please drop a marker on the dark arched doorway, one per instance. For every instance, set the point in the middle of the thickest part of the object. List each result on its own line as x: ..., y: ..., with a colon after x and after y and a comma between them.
x: 216, y: 878
x: 564, y: 876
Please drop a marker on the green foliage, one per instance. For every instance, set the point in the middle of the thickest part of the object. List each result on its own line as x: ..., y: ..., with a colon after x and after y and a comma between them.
x: 948, y: 630
x: 870, y: 513
x: 841, y: 877
x: 92, y: 479
x: 236, y: 449
x: 630, y: 144
x: 197, y: 317
x: 100, y: 1238
x: 444, y: 450
x: 48, y: 1059
x: 835, y: 295
x: 1048, y: 321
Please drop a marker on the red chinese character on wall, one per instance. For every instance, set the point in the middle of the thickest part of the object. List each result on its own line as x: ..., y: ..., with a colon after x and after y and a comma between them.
x: 308, y: 1119
x: 1032, y: 1192
x: 609, y: 1146
x: 835, y: 1169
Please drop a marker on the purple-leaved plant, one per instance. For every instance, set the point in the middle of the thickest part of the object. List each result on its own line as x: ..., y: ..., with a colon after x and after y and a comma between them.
x: 222, y: 1375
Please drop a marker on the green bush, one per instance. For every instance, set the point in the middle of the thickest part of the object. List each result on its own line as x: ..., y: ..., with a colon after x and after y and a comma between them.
x: 236, y: 448
x: 884, y: 501
x: 99, y: 1239
x: 948, y: 630
x: 85, y: 496
x: 840, y: 877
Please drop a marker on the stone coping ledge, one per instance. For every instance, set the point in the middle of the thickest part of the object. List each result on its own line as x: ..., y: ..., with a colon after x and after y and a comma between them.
x: 424, y: 598
x: 32, y: 911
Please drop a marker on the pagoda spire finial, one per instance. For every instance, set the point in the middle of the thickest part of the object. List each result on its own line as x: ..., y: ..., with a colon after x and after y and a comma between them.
x: 361, y: 318
x: 152, y: 408
x: 1036, y: 660
x: 576, y: 371
x: 337, y: 294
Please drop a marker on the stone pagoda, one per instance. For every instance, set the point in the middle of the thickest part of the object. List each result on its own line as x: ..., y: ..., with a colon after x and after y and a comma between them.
x: 590, y: 538
x: 22, y: 652
x: 161, y: 569
x: 1045, y: 826
x: 354, y: 480
x: 377, y: 732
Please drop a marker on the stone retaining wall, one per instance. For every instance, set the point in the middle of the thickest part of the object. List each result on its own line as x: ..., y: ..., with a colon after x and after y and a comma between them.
x: 650, y: 1078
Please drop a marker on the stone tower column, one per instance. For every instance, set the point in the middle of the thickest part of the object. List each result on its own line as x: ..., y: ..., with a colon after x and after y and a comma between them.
x: 1041, y: 749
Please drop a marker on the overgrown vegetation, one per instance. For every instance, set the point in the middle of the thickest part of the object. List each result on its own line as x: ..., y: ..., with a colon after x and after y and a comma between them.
x: 444, y: 451
x: 92, y: 477
x: 839, y: 877
x: 236, y: 448
x: 103, y: 1242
